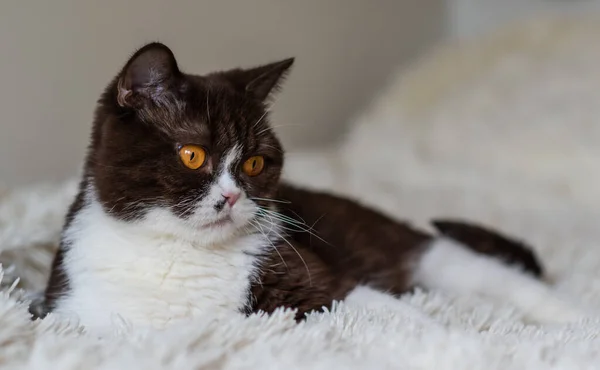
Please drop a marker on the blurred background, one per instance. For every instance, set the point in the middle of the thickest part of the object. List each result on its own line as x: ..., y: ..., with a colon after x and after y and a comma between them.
x: 56, y: 58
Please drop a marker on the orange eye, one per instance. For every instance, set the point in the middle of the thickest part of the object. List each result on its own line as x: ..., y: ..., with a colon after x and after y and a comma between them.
x: 254, y: 165
x: 192, y: 156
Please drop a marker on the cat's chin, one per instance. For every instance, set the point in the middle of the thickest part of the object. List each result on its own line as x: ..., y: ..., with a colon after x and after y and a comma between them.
x: 230, y: 222
x: 220, y: 232
x: 222, y: 223
x: 225, y: 228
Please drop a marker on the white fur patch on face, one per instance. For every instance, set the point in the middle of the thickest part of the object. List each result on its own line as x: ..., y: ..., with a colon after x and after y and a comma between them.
x: 450, y: 266
x: 225, y: 180
x: 217, y: 224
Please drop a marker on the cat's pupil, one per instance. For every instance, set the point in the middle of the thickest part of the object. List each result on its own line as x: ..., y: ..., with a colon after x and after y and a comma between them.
x: 192, y: 156
x: 253, y: 163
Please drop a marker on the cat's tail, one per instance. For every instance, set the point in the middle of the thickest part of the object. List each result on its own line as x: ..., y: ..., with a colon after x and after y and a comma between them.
x: 485, y: 241
x: 469, y: 259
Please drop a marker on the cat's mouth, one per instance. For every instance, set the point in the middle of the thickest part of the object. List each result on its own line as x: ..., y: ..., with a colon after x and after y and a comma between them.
x: 218, y: 223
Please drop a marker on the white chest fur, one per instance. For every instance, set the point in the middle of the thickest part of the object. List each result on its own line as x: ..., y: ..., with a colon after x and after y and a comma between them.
x: 119, y: 269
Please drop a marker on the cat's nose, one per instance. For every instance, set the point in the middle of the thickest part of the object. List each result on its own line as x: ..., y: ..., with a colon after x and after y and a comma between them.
x: 231, y: 197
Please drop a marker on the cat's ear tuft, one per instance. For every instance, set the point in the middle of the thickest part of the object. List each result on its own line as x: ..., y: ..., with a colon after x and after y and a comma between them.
x: 264, y: 80
x: 150, y: 72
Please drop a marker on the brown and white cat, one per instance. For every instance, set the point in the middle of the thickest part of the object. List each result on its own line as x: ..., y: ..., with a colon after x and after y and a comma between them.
x: 181, y: 212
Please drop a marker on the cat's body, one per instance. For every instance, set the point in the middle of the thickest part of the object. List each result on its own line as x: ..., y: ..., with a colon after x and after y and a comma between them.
x: 181, y: 212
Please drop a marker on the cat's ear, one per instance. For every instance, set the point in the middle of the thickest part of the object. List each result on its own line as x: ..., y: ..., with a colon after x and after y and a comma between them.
x: 148, y: 74
x: 264, y: 80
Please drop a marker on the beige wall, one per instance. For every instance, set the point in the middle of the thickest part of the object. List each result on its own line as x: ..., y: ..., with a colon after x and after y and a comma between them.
x: 56, y: 56
x: 467, y: 18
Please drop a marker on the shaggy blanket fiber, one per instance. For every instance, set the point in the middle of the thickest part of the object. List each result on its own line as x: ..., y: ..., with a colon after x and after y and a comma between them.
x: 502, y: 130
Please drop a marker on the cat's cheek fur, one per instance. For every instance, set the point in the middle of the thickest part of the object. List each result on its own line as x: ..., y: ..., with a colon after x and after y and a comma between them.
x: 117, y: 267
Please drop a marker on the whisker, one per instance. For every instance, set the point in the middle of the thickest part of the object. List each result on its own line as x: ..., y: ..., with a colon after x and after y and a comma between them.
x: 299, y: 255
x: 285, y: 218
x: 271, y: 200
x: 272, y: 147
x: 260, y: 119
x: 313, y: 226
x: 302, y: 226
x: 207, y: 106
x: 274, y: 127
x: 114, y: 205
x: 288, y: 225
x: 258, y: 227
x: 300, y: 217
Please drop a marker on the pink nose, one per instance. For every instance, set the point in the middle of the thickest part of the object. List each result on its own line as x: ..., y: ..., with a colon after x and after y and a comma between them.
x: 231, y: 197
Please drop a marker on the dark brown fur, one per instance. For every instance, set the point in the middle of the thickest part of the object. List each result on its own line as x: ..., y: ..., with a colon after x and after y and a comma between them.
x: 343, y: 244
x: 151, y: 108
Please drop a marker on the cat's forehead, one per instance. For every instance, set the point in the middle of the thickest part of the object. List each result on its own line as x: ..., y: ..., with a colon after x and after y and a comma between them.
x: 213, y: 113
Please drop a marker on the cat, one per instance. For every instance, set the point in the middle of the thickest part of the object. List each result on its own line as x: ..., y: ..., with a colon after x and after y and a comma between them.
x: 181, y: 211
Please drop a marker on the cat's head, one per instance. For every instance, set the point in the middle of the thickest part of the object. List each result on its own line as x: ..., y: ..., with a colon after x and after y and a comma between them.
x: 186, y: 154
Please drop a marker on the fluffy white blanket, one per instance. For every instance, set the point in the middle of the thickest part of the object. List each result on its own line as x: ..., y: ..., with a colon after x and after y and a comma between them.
x: 503, y: 130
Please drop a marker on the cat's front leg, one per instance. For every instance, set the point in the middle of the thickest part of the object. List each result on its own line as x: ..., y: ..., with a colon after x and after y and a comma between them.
x: 291, y: 276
